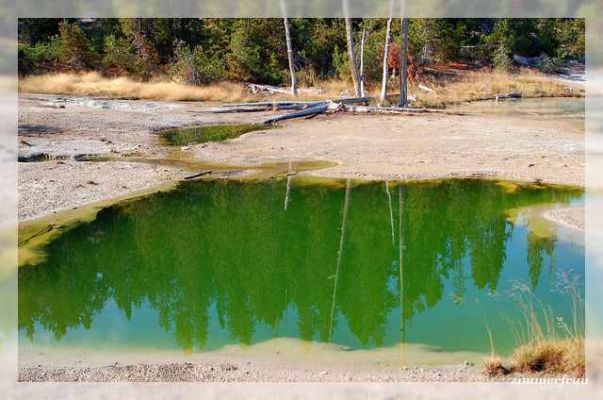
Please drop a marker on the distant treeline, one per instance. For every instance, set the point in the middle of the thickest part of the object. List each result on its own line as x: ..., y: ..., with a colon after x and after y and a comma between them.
x: 201, y: 51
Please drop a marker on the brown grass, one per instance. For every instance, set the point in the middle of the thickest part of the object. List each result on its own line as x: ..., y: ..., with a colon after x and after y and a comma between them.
x: 493, y: 367
x: 479, y: 85
x: 564, y: 357
x: 94, y: 84
x: 467, y: 86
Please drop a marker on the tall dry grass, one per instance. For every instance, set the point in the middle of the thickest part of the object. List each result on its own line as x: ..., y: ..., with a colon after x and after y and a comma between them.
x: 465, y: 86
x: 94, y: 84
x: 479, y: 85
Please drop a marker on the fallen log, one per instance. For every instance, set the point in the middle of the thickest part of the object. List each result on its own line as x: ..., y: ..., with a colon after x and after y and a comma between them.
x: 198, y: 175
x: 255, y: 107
x: 255, y: 88
x: 285, y: 105
x: 312, y: 111
x: 512, y: 95
x: 385, y: 110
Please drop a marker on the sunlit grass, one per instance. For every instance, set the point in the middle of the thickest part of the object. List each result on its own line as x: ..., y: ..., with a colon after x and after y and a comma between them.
x: 466, y: 86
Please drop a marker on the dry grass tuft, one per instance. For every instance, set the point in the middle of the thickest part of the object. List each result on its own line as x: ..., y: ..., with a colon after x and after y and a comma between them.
x: 565, y: 357
x: 493, y: 367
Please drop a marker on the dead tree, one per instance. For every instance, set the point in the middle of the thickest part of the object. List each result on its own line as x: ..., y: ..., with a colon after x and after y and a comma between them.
x: 290, y: 57
x: 289, y: 50
x: 362, y: 61
x: 351, y: 53
x: 403, y: 63
x: 385, y: 78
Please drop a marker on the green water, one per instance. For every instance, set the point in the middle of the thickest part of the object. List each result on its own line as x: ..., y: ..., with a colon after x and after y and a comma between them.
x: 217, y: 263
x: 209, y: 133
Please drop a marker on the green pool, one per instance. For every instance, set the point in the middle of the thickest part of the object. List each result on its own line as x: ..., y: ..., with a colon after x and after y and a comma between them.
x: 213, y: 263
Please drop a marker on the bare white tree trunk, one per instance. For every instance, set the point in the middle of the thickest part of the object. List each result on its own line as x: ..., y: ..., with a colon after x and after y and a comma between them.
x: 290, y: 57
x: 362, y: 62
x: 403, y: 63
x: 289, y: 50
x: 385, y: 78
x: 351, y: 53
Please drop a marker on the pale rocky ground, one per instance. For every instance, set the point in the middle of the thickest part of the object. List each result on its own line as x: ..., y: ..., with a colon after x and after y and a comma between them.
x: 392, y: 147
x: 428, y: 146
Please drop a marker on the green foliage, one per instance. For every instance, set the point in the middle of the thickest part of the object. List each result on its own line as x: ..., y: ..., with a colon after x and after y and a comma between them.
x: 501, y: 59
x: 571, y: 34
x: 257, y: 51
x: 341, y: 64
x: 30, y: 57
x: 253, y: 50
x: 74, y: 45
x: 546, y: 64
x: 196, y: 67
x: 118, y: 51
x: 437, y: 40
x: 146, y: 59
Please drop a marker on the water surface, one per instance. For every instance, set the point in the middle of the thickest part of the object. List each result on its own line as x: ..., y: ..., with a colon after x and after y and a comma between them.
x: 217, y: 263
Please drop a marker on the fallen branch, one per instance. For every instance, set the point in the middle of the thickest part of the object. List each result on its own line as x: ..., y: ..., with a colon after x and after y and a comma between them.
x: 285, y: 105
x: 255, y: 88
x: 512, y: 95
x: 197, y: 175
x: 312, y: 111
x: 386, y: 110
x: 275, y: 106
x: 425, y: 88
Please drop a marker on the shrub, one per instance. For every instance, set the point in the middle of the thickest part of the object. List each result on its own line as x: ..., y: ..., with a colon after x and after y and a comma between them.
x: 118, y: 51
x: 501, y: 59
x: 257, y: 51
x: 32, y: 57
x: 195, y: 66
x: 146, y: 59
x: 546, y: 64
x: 74, y: 46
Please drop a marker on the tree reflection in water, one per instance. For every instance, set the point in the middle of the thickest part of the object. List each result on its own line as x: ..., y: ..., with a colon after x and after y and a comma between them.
x: 363, y: 266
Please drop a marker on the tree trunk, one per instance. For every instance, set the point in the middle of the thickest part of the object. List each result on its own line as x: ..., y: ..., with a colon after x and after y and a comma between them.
x: 290, y: 57
x: 362, y: 62
x: 385, y: 78
x: 350, y: 44
x: 403, y: 63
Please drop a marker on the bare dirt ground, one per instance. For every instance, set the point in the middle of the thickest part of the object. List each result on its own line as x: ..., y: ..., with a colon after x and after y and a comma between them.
x: 278, y: 360
x: 428, y: 146
x: 64, y: 128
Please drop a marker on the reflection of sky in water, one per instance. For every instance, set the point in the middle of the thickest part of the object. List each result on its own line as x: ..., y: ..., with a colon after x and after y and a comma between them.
x: 162, y: 277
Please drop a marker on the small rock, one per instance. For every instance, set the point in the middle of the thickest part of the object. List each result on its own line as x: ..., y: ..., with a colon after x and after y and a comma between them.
x: 323, y: 373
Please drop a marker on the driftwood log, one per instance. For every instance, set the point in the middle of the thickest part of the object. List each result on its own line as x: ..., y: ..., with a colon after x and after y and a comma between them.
x: 198, y: 175
x: 310, y: 112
